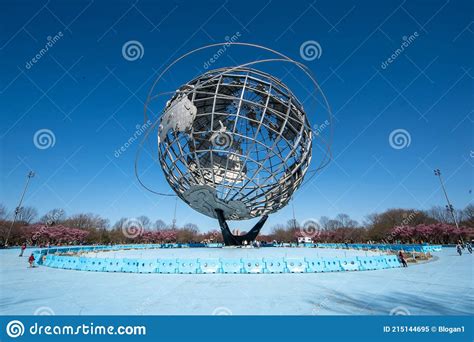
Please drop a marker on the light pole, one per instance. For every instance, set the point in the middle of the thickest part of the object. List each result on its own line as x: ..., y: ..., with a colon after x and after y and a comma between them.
x: 294, y: 216
x: 449, y: 206
x: 30, y: 175
x: 174, y: 216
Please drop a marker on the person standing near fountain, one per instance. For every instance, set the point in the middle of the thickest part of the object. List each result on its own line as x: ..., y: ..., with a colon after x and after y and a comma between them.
x: 23, y: 247
x: 31, y: 260
x: 401, y: 258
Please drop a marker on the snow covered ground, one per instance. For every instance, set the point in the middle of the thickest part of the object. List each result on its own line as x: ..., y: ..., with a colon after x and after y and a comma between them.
x: 443, y: 286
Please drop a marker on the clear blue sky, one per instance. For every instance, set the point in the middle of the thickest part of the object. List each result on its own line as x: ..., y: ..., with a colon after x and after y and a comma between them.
x: 91, y: 98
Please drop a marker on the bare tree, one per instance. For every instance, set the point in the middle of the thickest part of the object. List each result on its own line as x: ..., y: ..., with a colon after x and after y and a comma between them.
x: 144, y: 221
x: 293, y: 224
x: 160, y: 225
x: 3, y: 212
x: 346, y: 221
x: 468, y: 216
x: 334, y: 224
x: 120, y: 223
x: 53, y: 217
x: 192, y: 227
x: 89, y: 220
x: 371, y: 220
x: 27, y: 214
x: 380, y: 225
x: 440, y: 214
x: 282, y: 233
x: 323, y: 222
x: 188, y: 233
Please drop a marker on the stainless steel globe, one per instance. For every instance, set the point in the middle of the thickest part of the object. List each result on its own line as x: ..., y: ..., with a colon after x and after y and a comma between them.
x: 234, y: 139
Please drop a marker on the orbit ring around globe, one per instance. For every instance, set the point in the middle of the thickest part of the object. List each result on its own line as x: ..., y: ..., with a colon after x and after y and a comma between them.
x: 234, y: 141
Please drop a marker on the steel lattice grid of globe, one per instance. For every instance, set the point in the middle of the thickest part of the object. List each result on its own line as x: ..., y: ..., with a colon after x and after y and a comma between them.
x: 250, y: 140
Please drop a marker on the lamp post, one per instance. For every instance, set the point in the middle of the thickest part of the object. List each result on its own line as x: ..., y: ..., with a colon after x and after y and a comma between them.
x: 174, y: 216
x: 449, y: 206
x: 30, y: 175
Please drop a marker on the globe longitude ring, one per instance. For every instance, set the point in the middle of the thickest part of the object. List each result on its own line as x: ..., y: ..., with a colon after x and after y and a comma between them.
x: 234, y: 143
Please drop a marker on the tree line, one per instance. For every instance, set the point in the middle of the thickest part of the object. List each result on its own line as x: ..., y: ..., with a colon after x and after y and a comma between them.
x: 403, y: 225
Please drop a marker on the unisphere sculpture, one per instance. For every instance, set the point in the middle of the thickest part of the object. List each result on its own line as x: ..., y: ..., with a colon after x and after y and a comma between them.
x: 234, y: 143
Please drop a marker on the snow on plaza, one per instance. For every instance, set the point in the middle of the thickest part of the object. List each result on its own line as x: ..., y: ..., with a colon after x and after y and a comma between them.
x: 441, y: 286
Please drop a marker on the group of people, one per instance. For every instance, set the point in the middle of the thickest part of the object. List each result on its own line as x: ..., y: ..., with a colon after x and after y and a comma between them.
x: 255, y: 244
x: 462, y: 246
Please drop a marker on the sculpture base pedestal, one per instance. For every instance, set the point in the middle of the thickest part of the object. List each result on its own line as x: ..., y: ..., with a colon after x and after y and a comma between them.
x: 233, y: 240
